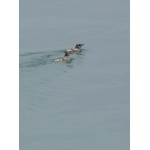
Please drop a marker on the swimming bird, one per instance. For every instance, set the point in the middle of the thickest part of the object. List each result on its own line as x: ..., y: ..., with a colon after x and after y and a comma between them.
x: 65, y: 58
x: 74, y: 50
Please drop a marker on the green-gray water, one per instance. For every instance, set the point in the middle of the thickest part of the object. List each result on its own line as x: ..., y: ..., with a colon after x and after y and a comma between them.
x: 84, y: 104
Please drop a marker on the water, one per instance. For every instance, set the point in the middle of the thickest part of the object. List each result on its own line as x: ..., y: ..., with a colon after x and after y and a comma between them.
x: 83, y: 104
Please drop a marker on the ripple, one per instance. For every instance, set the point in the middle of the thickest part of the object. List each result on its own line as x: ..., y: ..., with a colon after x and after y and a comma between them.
x: 32, y: 53
x: 37, y: 59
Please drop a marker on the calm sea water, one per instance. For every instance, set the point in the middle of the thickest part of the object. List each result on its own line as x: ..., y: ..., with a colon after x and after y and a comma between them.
x: 84, y: 104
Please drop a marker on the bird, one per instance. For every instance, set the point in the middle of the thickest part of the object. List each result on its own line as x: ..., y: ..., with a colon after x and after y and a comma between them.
x: 65, y: 58
x: 74, y: 50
